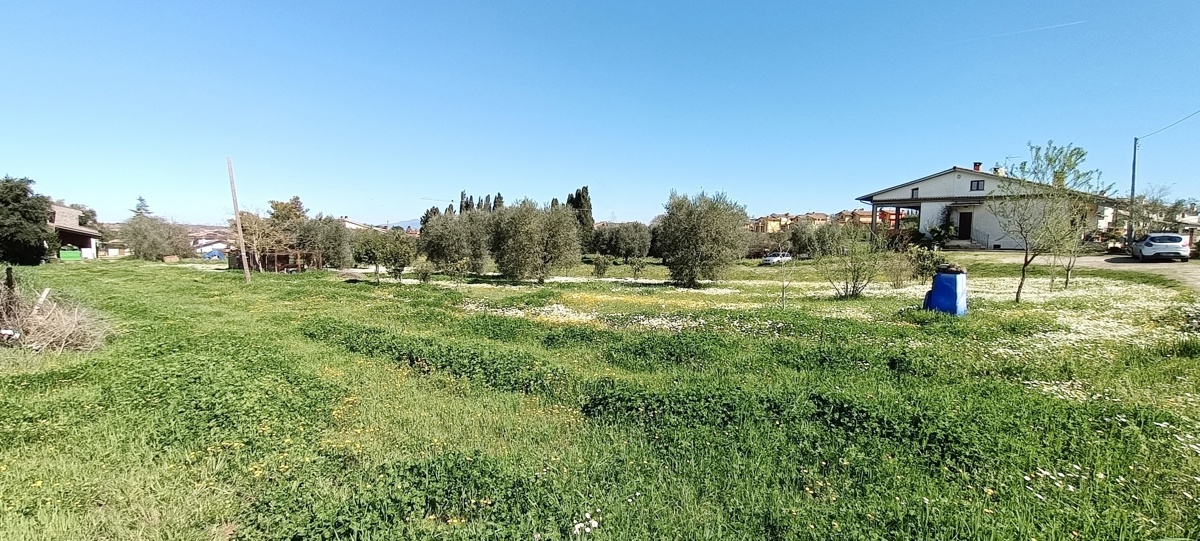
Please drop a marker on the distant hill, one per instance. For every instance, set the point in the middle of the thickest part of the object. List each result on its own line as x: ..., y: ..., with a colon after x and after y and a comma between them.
x: 414, y: 223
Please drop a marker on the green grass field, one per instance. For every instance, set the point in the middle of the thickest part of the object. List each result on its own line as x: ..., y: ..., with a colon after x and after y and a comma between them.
x: 305, y: 407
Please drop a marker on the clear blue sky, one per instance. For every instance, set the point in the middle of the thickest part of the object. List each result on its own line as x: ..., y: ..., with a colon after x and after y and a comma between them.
x: 364, y: 109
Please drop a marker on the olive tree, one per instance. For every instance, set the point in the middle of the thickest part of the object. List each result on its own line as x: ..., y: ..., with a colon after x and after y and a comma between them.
x: 443, y: 241
x: 328, y: 237
x: 626, y: 240
x: 476, y: 228
x: 151, y: 237
x: 701, y: 236
x: 396, y: 251
x: 528, y: 241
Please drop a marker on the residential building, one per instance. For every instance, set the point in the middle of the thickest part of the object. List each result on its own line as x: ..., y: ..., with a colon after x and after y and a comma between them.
x: 959, y: 195
x: 65, y: 221
x: 351, y: 224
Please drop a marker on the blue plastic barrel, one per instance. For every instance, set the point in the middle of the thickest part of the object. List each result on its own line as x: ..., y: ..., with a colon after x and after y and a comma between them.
x: 949, y: 294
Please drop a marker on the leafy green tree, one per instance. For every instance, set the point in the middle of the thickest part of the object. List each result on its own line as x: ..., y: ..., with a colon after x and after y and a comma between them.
x: 23, y: 222
x: 581, y: 201
x: 633, y: 240
x: 328, y: 237
x: 600, y: 265
x: 656, y: 238
x: 477, y: 235
x: 288, y: 217
x: 815, y: 240
x: 498, y: 202
x: 444, y: 241
x: 702, y: 235
x: 398, y: 250
x: 625, y: 240
x: 429, y: 214
x: 151, y: 238
x: 369, y: 247
x: 528, y: 241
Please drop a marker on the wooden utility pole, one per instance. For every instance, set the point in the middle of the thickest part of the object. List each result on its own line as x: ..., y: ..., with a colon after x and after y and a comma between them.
x: 237, y: 219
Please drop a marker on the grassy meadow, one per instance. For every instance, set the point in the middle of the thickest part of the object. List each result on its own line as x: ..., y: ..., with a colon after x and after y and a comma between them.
x: 307, y: 407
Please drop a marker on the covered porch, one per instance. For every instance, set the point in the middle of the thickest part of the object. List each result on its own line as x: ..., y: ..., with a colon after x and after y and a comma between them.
x: 891, y: 215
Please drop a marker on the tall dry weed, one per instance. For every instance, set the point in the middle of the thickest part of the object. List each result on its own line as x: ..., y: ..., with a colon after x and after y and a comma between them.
x: 57, y: 325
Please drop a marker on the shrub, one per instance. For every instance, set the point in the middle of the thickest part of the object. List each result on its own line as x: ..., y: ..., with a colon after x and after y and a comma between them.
x: 925, y: 262
x: 899, y: 269
x: 636, y: 266
x: 692, y: 349
x: 424, y: 272
x: 503, y: 369
x: 578, y: 335
x: 600, y: 265
x: 398, y: 500
x: 853, y: 266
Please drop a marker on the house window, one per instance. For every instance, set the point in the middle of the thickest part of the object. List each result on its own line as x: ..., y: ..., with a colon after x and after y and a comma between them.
x: 914, y: 192
x: 977, y: 185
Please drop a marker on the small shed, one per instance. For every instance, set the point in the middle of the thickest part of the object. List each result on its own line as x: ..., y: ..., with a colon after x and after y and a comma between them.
x: 289, y: 261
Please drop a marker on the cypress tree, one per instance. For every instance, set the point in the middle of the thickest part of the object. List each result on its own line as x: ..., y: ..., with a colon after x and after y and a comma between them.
x: 581, y: 201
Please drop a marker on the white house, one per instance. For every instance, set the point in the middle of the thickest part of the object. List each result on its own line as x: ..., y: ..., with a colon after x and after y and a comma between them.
x: 959, y: 194
x: 351, y: 224
x: 208, y: 246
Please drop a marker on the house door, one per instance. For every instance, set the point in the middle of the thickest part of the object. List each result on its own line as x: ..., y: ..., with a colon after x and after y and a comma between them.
x: 964, y: 225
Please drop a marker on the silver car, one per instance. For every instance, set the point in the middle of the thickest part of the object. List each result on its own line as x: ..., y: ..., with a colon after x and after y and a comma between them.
x: 1164, y: 245
x: 775, y: 258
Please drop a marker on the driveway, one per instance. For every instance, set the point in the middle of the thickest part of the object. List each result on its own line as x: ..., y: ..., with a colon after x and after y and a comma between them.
x: 1186, y: 273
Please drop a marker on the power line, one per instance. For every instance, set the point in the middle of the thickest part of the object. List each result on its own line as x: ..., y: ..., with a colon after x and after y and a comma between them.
x: 1172, y: 124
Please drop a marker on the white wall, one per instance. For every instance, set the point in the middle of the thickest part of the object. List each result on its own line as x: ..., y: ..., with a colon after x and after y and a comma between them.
x: 931, y: 215
x: 956, y: 184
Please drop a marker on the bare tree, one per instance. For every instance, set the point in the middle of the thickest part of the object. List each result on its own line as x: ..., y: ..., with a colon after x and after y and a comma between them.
x: 855, y: 260
x: 1041, y: 207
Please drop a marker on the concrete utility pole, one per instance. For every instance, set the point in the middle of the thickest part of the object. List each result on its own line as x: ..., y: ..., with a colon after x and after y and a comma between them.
x: 1132, y: 189
x: 237, y: 219
x: 1133, y: 177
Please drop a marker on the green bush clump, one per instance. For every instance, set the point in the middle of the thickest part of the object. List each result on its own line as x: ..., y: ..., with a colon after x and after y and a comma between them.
x: 691, y: 349
x: 980, y: 328
x: 540, y: 298
x: 933, y: 435
x: 499, y: 368
x: 809, y: 355
x: 705, y: 403
x: 578, y: 335
x: 404, y: 499
x: 502, y: 328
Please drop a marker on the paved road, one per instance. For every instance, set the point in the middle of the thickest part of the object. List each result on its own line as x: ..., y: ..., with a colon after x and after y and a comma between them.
x: 1186, y: 273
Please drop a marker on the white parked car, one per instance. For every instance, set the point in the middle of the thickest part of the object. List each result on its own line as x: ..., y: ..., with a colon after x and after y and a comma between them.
x: 1165, y: 245
x: 775, y: 258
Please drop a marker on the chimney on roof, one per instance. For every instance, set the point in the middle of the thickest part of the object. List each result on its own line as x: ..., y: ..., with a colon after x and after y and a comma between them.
x: 979, y: 166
